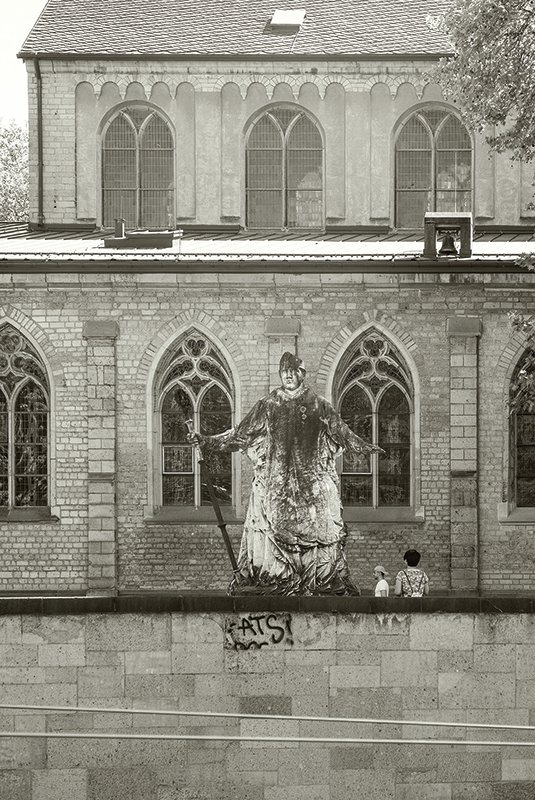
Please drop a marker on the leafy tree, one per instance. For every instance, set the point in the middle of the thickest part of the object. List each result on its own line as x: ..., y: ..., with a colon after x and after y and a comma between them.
x: 491, y: 73
x: 490, y: 77
x: 13, y: 173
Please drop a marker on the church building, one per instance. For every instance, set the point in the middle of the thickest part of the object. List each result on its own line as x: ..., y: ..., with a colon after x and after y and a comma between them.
x: 213, y: 184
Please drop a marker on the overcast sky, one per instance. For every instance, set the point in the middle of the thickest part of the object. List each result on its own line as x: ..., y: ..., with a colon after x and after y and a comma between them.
x: 17, y: 20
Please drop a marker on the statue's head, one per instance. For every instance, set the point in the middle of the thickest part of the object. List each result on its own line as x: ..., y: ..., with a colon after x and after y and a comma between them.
x: 291, y: 370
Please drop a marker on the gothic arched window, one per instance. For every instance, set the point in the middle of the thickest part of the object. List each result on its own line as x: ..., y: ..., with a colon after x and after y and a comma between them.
x: 433, y: 166
x: 522, y: 435
x: 194, y: 384
x: 284, y: 171
x: 374, y: 392
x: 24, y: 414
x: 138, y: 169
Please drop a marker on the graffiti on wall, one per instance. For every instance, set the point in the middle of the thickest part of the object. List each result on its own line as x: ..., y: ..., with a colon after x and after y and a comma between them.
x: 254, y: 631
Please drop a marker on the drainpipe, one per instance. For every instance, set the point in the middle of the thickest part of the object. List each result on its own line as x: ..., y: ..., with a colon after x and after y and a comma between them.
x: 40, y: 212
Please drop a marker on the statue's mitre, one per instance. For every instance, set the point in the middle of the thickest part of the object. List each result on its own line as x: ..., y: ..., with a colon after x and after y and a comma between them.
x: 291, y: 361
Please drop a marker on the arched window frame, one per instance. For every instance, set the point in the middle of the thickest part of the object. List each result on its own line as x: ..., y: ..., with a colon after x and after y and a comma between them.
x: 21, y: 365
x: 152, y: 113
x: 285, y: 190
x: 434, y: 190
x: 193, y: 347
x: 338, y: 385
x: 521, y: 455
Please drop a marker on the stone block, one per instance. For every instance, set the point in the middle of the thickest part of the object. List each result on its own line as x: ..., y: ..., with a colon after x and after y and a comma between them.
x: 441, y: 632
x: 18, y: 655
x: 476, y: 690
x: 278, y: 704
x: 498, y: 658
x: 409, y: 668
x: 375, y: 703
x: 309, y: 792
x: 148, y: 663
x: 53, y: 630
x: 376, y: 784
x: 457, y: 766
x: 112, y: 754
x: 122, y: 784
x: 61, y: 655
x: 504, y: 629
x: 262, y: 661
x: 313, y: 632
x: 10, y: 630
x: 351, y: 757
x: 525, y: 655
x: 14, y: 785
x: 50, y: 694
x: 196, y: 658
x: 159, y: 685
x: 425, y: 791
x: 100, y: 681
x: 344, y: 677
x: 308, y: 680
x: 128, y: 632
x: 197, y: 629
x: 304, y: 766
x: 455, y: 660
x: 270, y: 728
x: 59, y: 784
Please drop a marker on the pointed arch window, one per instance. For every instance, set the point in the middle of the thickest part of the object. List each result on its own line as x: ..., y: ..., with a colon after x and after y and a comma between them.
x: 522, y: 435
x: 375, y: 399
x: 433, y: 166
x: 284, y: 171
x: 138, y: 170
x: 195, y: 383
x: 24, y: 423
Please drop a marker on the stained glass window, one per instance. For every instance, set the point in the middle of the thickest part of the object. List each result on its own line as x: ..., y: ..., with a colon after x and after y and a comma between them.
x: 24, y: 422
x: 433, y: 166
x: 137, y: 170
x: 374, y: 390
x: 194, y: 385
x: 284, y: 171
x: 522, y: 440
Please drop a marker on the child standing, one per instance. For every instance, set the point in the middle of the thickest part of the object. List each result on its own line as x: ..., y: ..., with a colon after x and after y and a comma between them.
x: 381, y: 587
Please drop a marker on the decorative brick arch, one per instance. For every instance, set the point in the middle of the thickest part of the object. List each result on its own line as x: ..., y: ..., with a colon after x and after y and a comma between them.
x: 37, y: 336
x: 172, y: 329
x: 355, y: 328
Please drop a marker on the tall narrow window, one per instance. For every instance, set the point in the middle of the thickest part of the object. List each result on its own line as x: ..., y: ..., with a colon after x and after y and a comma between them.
x: 433, y: 166
x: 194, y: 384
x: 522, y: 437
x: 284, y: 171
x: 137, y: 170
x: 375, y: 400
x: 24, y: 422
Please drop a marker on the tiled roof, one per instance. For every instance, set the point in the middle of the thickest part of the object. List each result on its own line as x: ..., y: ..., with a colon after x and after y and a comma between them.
x: 235, y: 27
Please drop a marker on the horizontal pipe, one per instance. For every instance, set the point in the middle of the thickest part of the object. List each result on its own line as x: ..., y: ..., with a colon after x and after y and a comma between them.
x: 284, y: 717
x: 216, y: 738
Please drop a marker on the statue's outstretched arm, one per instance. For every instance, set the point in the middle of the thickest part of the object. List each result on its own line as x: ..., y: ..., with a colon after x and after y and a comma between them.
x: 241, y: 436
x: 344, y: 437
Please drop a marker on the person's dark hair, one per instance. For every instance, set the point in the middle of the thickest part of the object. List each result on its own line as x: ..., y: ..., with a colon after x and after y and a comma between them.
x: 412, y: 557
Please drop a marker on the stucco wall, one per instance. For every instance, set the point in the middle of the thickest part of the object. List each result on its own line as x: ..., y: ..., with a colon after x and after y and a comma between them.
x: 447, y: 667
x: 209, y: 106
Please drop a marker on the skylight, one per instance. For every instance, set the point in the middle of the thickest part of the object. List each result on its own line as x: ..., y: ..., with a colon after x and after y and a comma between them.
x: 293, y: 18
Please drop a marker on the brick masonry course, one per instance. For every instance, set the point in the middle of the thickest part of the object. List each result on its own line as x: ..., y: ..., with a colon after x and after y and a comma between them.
x: 381, y: 666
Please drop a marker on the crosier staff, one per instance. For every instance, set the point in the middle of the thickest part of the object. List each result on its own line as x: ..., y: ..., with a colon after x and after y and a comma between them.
x: 207, y: 475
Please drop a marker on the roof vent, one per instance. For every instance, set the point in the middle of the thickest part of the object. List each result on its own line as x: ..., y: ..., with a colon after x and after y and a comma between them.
x: 287, y: 19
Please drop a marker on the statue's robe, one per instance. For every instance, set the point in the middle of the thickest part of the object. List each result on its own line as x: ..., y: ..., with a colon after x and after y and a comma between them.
x: 293, y: 536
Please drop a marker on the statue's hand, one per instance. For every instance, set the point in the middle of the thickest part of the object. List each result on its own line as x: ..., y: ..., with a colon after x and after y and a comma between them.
x: 195, y: 438
x: 373, y: 448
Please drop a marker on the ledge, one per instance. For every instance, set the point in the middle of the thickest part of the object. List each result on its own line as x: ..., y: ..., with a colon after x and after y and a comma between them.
x: 515, y: 516
x: 28, y: 514
x: 393, y: 514
x: 194, y: 603
x: 205, y: 515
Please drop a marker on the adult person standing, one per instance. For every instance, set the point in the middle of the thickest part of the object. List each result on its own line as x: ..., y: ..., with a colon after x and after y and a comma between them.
x: 411, y: 581
x: 293, y: 536
x: 381, y: 587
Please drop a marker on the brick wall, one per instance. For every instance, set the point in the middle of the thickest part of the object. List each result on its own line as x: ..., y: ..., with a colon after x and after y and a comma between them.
x: 149, y: 310
x: 209, y: 106
x: 446, y: 667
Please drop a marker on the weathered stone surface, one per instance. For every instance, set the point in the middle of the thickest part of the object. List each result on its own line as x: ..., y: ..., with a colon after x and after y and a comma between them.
x: 122, y: 784
x: 444, y: 632
x: 481, y: 690
x: 14, y: 784
x: 59, y: 784
x: 409, y: 669
x: 143, y: 632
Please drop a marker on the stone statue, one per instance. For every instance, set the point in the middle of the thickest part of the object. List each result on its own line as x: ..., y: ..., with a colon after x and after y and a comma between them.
x: 293, y: 536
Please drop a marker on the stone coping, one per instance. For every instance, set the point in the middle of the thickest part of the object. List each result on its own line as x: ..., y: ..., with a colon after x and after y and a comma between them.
x: 193, y: 602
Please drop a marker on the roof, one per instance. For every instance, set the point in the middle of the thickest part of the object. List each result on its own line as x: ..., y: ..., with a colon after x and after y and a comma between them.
x: 19, y: 246
x: 235, y: 28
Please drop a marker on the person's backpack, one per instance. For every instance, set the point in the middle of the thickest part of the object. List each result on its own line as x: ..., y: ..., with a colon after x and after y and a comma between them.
x: 416, y: 588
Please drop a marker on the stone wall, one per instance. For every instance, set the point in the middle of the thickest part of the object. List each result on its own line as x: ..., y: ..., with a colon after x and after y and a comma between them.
x: 151, y: 310
x: 209, y: 107
x: 460, y: 668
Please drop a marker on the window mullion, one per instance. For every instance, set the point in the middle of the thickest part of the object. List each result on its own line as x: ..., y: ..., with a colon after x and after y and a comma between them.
x: 138, y: 180
x: 197, y: 478
x: 11, y: 454
x: 375, y: 460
